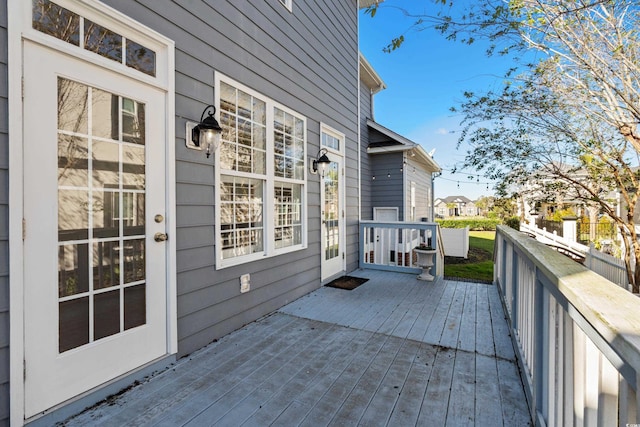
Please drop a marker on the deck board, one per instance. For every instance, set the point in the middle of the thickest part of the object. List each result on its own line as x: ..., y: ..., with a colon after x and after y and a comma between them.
x: 488, y: 411
x: 484, y: 330
x: 451, y: 329
x: 436, y: 400
x: 409, y: 404
x: 395, y: 351
x: 461, y: 409
x: 468, y: 323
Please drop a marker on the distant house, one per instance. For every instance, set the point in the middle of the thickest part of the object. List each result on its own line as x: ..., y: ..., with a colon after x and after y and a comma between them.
x: 396, y: 173
x: 453, y: 206
x: 544, y: 194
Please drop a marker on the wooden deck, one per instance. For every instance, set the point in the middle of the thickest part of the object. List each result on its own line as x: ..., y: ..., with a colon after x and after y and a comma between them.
x: 395, y: 351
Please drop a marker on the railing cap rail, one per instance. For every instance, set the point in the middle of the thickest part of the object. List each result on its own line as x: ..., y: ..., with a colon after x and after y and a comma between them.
x: 367, y: 222
x: 611, y: 310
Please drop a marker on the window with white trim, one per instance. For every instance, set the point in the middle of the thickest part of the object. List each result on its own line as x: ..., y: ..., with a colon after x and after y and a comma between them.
x: 261, y: 169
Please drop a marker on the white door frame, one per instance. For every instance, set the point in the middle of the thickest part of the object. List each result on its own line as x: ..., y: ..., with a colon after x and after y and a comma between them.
x: 19, y: 28
x: 339, y: 154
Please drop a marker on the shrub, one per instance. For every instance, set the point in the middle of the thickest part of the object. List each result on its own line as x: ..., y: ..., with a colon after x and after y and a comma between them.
x: 513, y: 222
x: 480, y: 224
x: 563, y: 213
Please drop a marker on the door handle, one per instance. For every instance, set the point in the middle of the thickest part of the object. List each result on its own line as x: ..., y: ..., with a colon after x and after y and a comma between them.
x: 160, y: 237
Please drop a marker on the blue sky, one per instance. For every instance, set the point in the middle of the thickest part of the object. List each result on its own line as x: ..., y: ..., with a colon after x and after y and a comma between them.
x: 424, y: 78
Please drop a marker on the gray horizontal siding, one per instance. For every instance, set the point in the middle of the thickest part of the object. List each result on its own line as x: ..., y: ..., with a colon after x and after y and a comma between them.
x: 4, y: 222
x: 306, y: 60
x: 365, y: 168
x: 416, y: 173
x: 387, y: 191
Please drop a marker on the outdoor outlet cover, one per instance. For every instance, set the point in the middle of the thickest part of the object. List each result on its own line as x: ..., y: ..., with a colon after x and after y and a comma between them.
x: 245, y: 283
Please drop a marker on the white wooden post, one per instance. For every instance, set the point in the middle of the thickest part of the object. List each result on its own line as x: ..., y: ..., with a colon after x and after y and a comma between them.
x: 608, y: 393
x: 569, y: 229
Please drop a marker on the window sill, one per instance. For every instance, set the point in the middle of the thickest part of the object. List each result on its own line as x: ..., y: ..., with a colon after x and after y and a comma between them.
x: 246, y: 259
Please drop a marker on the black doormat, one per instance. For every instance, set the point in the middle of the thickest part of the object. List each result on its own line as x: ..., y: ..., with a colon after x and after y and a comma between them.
x: 348, y: 283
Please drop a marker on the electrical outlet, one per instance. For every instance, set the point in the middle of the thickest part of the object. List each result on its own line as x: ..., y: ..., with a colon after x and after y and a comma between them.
x: 245, y: 283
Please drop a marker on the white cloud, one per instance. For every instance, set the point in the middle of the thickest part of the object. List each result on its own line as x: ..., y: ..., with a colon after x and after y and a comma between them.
x: 442, y: 131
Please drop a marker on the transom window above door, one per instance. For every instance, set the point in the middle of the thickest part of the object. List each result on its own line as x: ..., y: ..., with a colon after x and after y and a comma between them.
x: 261, y: 171
x: 52, y: 19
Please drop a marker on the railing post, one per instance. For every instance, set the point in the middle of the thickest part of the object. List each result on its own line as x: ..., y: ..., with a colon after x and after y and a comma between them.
x: 569, y: 229
x: 503, y: 264
x: 637, y: 411
x: 539, y: 369
x: 514, y: 290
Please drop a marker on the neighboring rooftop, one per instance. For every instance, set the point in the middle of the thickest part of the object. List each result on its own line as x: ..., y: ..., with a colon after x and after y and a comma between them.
x: 383, y: 140
x: 453, y: 199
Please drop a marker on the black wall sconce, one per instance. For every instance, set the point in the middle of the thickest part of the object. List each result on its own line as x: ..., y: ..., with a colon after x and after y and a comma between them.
x: 321, y: 160
x: 206, y: 134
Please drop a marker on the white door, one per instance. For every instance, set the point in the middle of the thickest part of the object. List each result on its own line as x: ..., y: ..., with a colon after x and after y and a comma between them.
x: 94, y: 276
x: 332, y: 216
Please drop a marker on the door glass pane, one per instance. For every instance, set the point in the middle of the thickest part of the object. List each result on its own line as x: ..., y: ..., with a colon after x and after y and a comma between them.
x: 102, y: 41
x: 106, y: 264
x: 56, y: 21
x: 134, y: 260
x: 330, y: 141
x: 106, y: 314
x: 73, y: 324
x: 73, y: 214
x: 72, y: 106
x: 104, y: 114
x: 134, y: 306
x: 133, y: 214
x: 133, y: 121
x: 106, y: 213
x: 141, y: 58
x: 101, y: 205
x: 73, y: 162
x: 105, y: 164
x: 133, y: 167
x: 331, y: 211
x: 73, y: 272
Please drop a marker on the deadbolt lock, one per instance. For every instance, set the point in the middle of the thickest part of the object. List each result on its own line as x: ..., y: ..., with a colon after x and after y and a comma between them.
x: 160, y: 237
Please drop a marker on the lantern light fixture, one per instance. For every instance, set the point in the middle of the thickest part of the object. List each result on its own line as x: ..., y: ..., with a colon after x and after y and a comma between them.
x: 321, y: 160
x: 206, y: 134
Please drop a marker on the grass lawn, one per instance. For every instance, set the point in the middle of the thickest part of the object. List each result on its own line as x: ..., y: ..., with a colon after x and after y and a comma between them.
x: 479, y: 265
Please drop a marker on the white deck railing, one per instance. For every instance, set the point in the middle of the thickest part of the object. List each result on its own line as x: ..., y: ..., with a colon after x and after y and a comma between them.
x: 576, y: 333
x: 608, y: 266
x: 389, y: 245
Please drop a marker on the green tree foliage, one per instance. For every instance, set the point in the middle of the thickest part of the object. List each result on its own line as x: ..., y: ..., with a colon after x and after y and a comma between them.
x: 566, y: 122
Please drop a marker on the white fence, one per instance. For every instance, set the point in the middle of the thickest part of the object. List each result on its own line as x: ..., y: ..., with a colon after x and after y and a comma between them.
x: 546, y: 237
x: 606, y: 265
x: 455, y: 241
x: 577, y: 335
x: 388, y: 245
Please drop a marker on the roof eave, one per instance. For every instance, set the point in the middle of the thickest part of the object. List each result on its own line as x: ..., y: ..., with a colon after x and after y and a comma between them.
x: 404, y: 145
x: 367, y: 3
x: 369, y: 76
